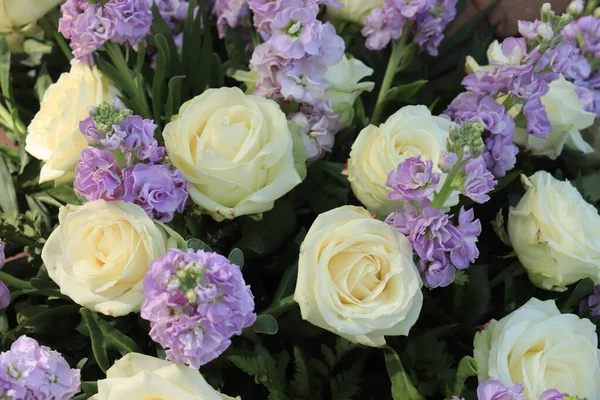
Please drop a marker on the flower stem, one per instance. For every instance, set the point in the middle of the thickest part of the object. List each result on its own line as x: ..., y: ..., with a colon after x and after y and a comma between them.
x: 441, y: 197
x: 14, y: 282
x: 398, y: 51
x: 58, y: 38
x: 281, y: 307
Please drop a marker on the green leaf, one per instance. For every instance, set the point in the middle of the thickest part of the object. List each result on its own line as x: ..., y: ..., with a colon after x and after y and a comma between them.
x: 158, y: 83
x: 174, y: 97
x: 301, y: 383
x: 287, y: 284
x: 237, y: 58
x: 345, y: 384
x: 298, y: 150
x: 60, y: 195
x: 105, y: 337
x: 42, y: 319
x: 237, y: 257
x: 266, y: 370
x: 582, y: 289
x: 265, y: 324
x: 405, y: 92
x: 588, y: 186
x: 467, y: 367
x: 498, y: 227
x: 5, y: 71
x: 217, y: 72
x: 197, y: 244
x: 42, y: 83
x: 402, y: 386
x: 8, y: 196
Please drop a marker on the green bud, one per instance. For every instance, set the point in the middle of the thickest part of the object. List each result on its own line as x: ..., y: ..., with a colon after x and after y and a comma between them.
x: 467, y: 139
x: 597, y: 12
x: 106, y: 115
x: 190, y: 294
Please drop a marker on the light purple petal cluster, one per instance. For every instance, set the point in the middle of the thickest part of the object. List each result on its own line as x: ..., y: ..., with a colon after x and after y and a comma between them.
x: 584, y: 30
x: 478, y: 180
x: 88, y: 25
x: 317, y: 131
x: 229, y: 13
x: 428, y: 19
x: 591, y: 304
x: 31, y: 371
x: 414, y: 179
x: 441, y: 246
x: 98, y: 176
x: 538, y: 123
x: 195, y: 302
x: 158, y: 188
x: 552, y: 394
x: 292, y: 62
x: 473, y: 107
x: 496, y: 390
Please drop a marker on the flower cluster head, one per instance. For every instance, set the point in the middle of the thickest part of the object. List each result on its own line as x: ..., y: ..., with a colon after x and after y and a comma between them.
x: 414, y: 179
x: 317, y: 129
x: 591, y: 304
x: 425, y: 19
x: 88, y: 25
x: 195, y: 302
x: 125, y: 162
x: 31, y: 371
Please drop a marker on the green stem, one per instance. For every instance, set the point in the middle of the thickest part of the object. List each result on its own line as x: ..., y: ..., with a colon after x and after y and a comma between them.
x: 510, y: 102
x: 281, y: 307
x: 398, y: 48
x: 440, y: 197
x: 14, y: 282
x: 58, y: 38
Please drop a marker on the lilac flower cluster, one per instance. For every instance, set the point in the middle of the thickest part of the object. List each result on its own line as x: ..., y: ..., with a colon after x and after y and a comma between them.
x: 31, y: 371
x: 582, y: 59
x: 229, y: 13
x: 591, y: 304
x: 425, y: 19
x: 493, y: 389
x: 292, y: 62
x: 195, y: 302
x: 143, y: 178
x: 88, y: 25
x: 4, y: 291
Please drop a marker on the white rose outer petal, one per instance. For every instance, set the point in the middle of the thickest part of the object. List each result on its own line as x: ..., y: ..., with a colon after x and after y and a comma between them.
x: 100, y: 252
x: 235, y: 151
x: 53, y: 134
x: 540, y: 348
x: 357, y: 278
x: 554, y: 232
x: 140, y: 376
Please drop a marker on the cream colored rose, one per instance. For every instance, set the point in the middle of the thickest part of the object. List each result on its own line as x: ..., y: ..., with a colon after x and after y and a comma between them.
x: 141, y: 377
x: 235, y: 151
x: 357, y: 278
x: 540, y: 348
x: 100, y: 252
x: 353, y: 10
x: 567, y: 116
x: 554, y: 232
x: 410, y: 132
x: 17, y: 13
x: 54, y: 135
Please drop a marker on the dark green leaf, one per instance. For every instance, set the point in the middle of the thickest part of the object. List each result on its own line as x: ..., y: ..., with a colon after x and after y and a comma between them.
x: 8, y: 196
x: 5, y: 70
x: 581, y: 290
x: 402, y: 386
x: 174, y: 98
x: 287, y: 284
x: 237, y: 257
x: 265, y: 324
x: 405, y: 92
x: 197, y: 244
x: 42, y: 83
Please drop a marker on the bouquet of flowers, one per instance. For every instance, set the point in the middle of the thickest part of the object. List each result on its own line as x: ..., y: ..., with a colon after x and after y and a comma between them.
x: 297, y: 199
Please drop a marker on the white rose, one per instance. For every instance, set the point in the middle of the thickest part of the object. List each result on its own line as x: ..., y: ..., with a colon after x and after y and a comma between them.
x: 540, y: 348
x: 567, y: 116
x: 100, y: 252
x: 353, y: 10
x: 357, y: 278
x: 54, y: 135
x: 141, y: 377
x: 410, y: 132
x: 17, y: 13
x: 554, y: 232
x: 235, y: 151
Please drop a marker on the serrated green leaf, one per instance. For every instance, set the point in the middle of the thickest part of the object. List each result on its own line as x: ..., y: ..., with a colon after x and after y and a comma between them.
x: 402, y: 386
x: 328, y: 356
x: 345, y: 384
x: 301, y: 383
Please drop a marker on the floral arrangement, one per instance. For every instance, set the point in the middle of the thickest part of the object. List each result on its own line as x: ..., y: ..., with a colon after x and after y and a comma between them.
x: 297, y: 199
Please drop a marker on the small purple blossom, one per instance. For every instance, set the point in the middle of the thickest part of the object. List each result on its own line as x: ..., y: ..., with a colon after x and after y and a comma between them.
x: 534, y: 30
x: 317, y: 130
x: 568, y: 60
x: 472, y: 107
x: 382, y: 25
x: 447, y: 161
x: 529, y: 86
x: 414, y: 179
x: 552, y: 394
x: 438, y: 272
x: 132, y: 134
x: 229, y: 13
x: 31, y: 371
x: 495, y: 390
x: 195, y: 302
x: 131, y: 18
x: 432, y: 230
x: 158, y: 189
x: 410, y: 8
x: 470, y: 228
x: 89, y: 129
x: 538, y: 123
x: 500, y: 155
x: 487, y: 82
x: 97, y: 175
x: 584, y: 30
x: 591, y: 304
x: 478, y: 180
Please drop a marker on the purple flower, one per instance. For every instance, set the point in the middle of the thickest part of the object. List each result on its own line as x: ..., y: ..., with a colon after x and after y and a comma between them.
x: 382, y: 25
x: 131, y: 18
x: 552, y: 394
x: 534, y: 30
x: 432, y: 231
x: 538, y: 123
x: 500, y: 154
x: 88, y: 31
x: 410, y: 8
x: 472, y: 107
x: 412, y: 180
x: 89, y: 129
x: 528, y: 86
x: 31, y: 371
x: 437, y: 272
x: 495, y: 390
x: 133, y: 133
x: 317, y: 131
x: 487, y: 82
x: 568, y: 60
x: 430, y: 25
x: 447, y: 161
x: 591, y: 304
x: 303, y: 81
x: 515, y: 49
x: 332, y: 45
x: 586, y: 31
x: 467, y: 252
x: 172, y: 11
x: 195, y: 302
x: 158, y: 189
x: 478, y: 180
x: 296, y: 32
x: 229, y: 13
x: 97, y: 175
